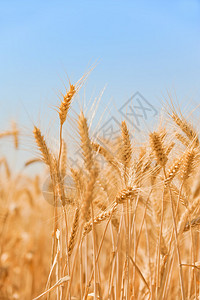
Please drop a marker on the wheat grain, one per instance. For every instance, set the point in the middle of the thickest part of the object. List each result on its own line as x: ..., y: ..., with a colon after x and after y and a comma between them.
x: 74, y: 230
x: 157, y: 147
x: 85, y: 142
x: 65, y: 104
x: 46, y: 155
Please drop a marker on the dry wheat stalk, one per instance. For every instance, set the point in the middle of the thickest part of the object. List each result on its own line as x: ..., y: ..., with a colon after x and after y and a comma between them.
x: 88, y: 196
x: 173, y: 170
x: 63, y: 166
x: 182, y: 139
x: 126, y: 149
x: 6, y: 133
x: 14, y: 132
x: 141, y: 166
x: 169, y: 148
x: 74, y: 230
x: 128, y: 192
x: 120, y: 199
x: 152, y: 248
x: 157, y: 146
x: 191, y: 208
x: 188, y: 163
x: 183, y: 220
x: 32, y: 161
x: 186, y: 127
x: 46, y: 155
x: 100, y: 218
x: 85, y: 142
x: 6, y: 166
x: 65, y: 104
x: 59, y: 183
x: 194, y: 222
x: 106, y: 154
x: 77, y: 176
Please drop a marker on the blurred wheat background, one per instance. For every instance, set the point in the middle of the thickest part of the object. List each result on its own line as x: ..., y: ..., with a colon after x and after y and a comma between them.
x: 125, y: 229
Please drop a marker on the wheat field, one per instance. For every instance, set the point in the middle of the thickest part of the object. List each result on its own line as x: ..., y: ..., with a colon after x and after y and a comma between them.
x: 124, y: 229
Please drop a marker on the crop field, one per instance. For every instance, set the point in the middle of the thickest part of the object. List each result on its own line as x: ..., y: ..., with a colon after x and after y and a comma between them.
x: 127, y: 228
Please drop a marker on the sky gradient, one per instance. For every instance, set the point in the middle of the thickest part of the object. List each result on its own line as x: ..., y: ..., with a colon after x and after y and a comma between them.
x: 145, y: 46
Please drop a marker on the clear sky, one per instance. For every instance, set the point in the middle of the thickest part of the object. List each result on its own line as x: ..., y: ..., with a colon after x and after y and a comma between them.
x: 146, y: 46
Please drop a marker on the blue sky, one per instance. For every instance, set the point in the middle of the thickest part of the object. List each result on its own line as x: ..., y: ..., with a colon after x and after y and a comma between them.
x: 148, y: 46
x: 145, y: 46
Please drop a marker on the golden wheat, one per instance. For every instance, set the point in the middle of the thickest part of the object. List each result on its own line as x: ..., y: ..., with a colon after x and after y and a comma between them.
x: 124, y: 229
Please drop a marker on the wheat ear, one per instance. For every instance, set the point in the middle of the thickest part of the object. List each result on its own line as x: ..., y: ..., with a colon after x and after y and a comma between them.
x: 188, y: 163
x: 41, y: 143
x: 183, y: 221
x: 97, y: 220
x: 195, y: 222
x: 173, y: 170
x: 186, y: 127
x: 15, y: 135
x: 65, y: 104
x: 106, y: 154
x: 74, y: 230
x: 120, y: 199
x: 85, y: 142
x: 126, y: 151
x: 63, y: 111
x: 158, y: 149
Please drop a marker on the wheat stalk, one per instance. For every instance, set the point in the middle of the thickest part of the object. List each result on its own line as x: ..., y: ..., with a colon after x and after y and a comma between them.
x: 41, y: 143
